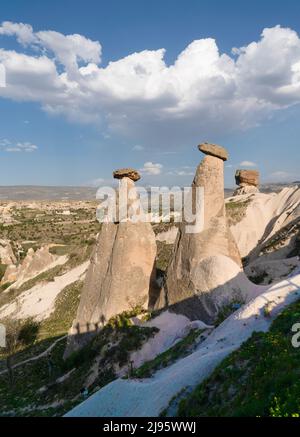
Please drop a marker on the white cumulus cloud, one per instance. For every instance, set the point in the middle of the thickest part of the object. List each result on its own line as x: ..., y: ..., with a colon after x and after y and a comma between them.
x: 150, y: 168
x: 204, y: 92
x: 247, y: 164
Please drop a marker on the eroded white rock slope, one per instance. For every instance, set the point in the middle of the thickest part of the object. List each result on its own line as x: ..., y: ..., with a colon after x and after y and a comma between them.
x: 149, y: 397
x: 39, y: 301
x: 265, y: 215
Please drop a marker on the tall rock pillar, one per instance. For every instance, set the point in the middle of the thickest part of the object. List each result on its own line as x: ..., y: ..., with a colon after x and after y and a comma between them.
x: 121, y: 272
x: 195, y: 271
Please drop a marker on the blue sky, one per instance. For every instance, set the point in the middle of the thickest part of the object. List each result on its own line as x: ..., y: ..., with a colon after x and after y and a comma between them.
x: 68, y: 117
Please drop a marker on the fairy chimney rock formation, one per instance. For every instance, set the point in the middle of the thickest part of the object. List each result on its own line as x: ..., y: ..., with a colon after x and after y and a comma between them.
x: 248, y: 182
x: 121, y: 275
x: 193, y: 273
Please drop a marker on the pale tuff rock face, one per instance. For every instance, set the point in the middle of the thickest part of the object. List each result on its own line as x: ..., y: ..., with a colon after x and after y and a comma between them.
x: 125, y: 204
x: 11, y: 274
x: 33, y: 264
x: 186, y: 283
x: 121, y: 275
x: 247, y: 177
x: 266, y: 215
x: 131, y: 208
x: 248, y: 182
x: 7, y: 255
x: 247, y: 189
x: 6, y: 214
x: 216, y: 281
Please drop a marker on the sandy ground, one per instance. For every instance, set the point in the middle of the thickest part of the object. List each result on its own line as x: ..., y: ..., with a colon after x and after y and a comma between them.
x: 266, y: 214
x: 149, y: 397
x: 39, y: 301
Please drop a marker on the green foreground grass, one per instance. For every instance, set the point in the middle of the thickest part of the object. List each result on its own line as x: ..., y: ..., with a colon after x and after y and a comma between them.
x: 262, y: 378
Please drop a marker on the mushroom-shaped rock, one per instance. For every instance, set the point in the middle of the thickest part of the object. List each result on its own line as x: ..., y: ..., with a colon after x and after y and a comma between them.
x: 214, y: 150
x: 185, y: 290
x: 127, y: 173
x: 121, y: 275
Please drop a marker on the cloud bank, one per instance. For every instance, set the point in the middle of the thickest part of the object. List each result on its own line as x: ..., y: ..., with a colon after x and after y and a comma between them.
x: 204, y: 92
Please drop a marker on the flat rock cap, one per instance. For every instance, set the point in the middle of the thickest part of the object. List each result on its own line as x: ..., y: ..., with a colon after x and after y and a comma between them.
x: 127, y: 173
x: 247, y: 177
x: 214, y: 150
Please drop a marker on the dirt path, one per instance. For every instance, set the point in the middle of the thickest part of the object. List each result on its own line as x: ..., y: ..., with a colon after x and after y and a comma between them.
x: 36, y: 357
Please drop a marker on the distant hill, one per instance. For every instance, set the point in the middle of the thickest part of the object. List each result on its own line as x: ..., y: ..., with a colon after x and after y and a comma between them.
x: 56, y: 193
x: 36, y: 192
x: 271, y: 187
x: 276, y: 187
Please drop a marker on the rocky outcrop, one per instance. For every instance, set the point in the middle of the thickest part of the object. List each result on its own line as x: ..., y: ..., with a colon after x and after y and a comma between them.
x: 248, y: 182
x: 192, y: 273
x: 121, y: 273
x: 7, y: 255
x: 6, y: 214
x: 10, y: 275
x: 33, y: 264
x: 265, y: 216
x: 214, y: 150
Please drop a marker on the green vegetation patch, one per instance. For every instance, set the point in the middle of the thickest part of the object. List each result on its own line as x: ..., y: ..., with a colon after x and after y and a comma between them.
x: 46, y: 226
x: 50, y: 385
x: 57, y: 324
x: 61, y: 319
x: 164, y: 254
x: 236, y: 210
x: 261, y: 378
